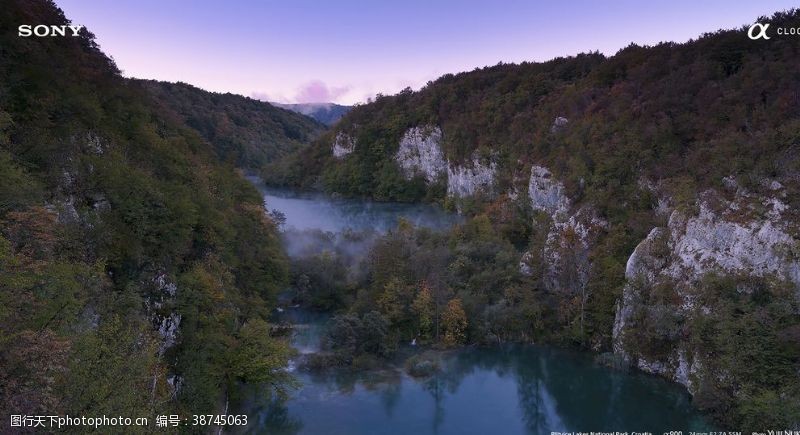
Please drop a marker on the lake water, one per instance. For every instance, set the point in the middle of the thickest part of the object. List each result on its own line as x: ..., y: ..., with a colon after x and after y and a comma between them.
x: 516, y: 389
x: 498, y: 390
x: 314, y: 211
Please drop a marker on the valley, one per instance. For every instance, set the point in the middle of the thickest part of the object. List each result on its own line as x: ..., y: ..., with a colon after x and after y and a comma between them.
x: 510, y: 388
x: 590, y: 243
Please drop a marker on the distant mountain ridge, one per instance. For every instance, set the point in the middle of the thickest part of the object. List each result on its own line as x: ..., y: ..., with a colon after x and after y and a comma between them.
x: 326, y: 113
x: 246, y: 131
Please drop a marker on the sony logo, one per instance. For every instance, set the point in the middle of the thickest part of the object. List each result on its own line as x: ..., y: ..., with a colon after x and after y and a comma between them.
x: 27, y: 30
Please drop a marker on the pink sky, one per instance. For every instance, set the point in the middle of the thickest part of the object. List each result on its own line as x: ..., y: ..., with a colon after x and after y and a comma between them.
x: 347, y: 51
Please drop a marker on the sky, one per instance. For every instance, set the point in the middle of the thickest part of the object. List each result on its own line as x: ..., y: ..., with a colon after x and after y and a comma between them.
x: 346, y: 51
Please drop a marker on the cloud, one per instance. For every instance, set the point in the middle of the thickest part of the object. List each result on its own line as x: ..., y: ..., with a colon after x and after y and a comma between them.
x: 317, y: 91
x: 262, y: 96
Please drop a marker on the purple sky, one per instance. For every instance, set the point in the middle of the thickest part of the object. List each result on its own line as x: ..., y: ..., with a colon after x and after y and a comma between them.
x: 346, y: 51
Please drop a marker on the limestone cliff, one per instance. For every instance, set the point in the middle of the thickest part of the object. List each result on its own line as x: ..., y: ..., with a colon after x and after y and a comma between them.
x: 547, y: 194
x: 343, y: 145
x: 420, y: 153
x: 570, y: 234
x: 470, y: 178
x: 746, y: 236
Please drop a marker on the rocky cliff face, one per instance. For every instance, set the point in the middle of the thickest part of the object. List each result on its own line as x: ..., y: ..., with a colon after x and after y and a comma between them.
x: 547, y: 194
x: 565, y: 253
x: 712, y: 240
x: 420, y: 153
x: 343, y: 145
x: 470, y: 179
x: 743, y: 236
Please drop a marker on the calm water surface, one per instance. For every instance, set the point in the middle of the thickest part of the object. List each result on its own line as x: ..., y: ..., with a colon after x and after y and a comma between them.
x: 497, y: 390
x: 314, y: 211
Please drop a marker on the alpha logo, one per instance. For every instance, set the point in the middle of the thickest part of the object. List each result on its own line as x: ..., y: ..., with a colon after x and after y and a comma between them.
x: 27, y: 30
x: 762, y: 31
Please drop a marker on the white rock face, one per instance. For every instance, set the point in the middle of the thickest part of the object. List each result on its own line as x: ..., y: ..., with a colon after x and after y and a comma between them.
x: 624, y: 311
x: 566, y: 249
x: 90, y: 142
x: 644, y: 262
x: 652, y: 367
x: 168, y: 323
x: 464, y: 181
x: 709, y: 242
x: 727, y: 239
x: 559, y: 123
x: 684, y: 369
x: 420, y: 153
x: 343, y: 145
x: 94, y: 143
x: 168, y: 330
x: 164, y: 285
x: 525, y: 264
x: 547, y: 194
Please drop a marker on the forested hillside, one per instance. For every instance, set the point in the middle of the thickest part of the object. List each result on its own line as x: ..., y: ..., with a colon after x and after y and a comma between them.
x: 247, y: 132
x: 326, y: 113
x: 136, y: 269
x: 703, y: 110
x: 643, y: 205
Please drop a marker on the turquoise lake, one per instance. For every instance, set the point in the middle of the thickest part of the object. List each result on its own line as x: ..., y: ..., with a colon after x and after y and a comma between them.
x: 513, y: 389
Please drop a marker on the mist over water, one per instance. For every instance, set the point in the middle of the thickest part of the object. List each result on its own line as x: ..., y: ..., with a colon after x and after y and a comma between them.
x: 503, y: 389
x: 317, y: 223
x: 315, y: 211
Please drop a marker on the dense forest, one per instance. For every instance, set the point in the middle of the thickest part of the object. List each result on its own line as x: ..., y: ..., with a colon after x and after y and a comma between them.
x: 136, y: 268
x: 644, y: 139
x: 247, y: 132
x: 691, y: 113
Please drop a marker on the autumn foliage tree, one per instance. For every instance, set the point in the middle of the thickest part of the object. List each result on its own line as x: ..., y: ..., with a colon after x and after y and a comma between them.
x: 424, y: 309
x: 454, y: 322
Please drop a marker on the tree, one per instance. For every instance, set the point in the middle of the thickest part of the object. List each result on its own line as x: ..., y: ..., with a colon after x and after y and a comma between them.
x: 454, y: 320
x: 572, y: 277
x: 351, y: 336
x: 260, y: 359
x: 113, y: 369
x: 424, y: 310
x: 374, y: 335
x: 395, y: 304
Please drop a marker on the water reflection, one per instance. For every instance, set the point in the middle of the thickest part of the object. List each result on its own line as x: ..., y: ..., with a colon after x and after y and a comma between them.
x: 500, y: 390
x: 514, y: 389
x: 275, y: 419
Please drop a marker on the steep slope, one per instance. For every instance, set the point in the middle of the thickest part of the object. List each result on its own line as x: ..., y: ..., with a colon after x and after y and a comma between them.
x: 326, y: 113
x: 247, y: 132
x: 652, y: 196
x: 135, y: 268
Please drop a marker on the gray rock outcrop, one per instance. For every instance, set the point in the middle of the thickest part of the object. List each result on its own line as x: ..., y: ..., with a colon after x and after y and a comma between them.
x: 467, y: 180
x: 725, y: 237
x: 343, y: 145
x: 420, y: 153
